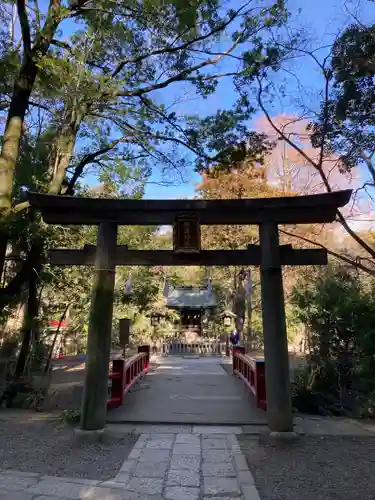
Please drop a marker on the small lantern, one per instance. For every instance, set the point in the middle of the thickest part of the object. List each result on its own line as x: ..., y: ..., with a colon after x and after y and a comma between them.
x: 227, y: 318
x: 227, y: 321
x: 156, y: 317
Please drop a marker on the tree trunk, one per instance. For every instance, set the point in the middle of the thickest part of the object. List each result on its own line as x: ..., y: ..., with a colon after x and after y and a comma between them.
x: 30, y: 324
x: 31, y: 265
x: 3, y: 250
x: 14, y: 129
x: 22, y: 89
x: 64, y: 151
x: 240, y: 306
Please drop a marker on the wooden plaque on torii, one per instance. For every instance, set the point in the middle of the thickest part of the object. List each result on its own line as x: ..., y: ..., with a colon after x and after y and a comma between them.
x: 186, y: 234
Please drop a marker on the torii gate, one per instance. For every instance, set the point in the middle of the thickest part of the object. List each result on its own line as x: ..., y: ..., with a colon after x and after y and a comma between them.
x: 186, y: 216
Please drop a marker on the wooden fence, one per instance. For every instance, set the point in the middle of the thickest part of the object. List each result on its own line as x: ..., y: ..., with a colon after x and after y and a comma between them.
x: 204, y: 346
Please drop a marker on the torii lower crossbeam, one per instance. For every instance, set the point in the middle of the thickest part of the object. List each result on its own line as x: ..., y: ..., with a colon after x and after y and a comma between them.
x: 252, y: 257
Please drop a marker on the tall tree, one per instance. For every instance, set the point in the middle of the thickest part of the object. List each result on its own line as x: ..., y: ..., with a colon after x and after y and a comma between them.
x: 35, y: 43
x: 329, y: 131
x: 347, y: 115
x: 118, y: 55
x: 243, y: 180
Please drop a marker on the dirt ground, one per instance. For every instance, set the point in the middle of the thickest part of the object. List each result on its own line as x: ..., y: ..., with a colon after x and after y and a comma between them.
x: 66, y: 388
x: 31, y: 443
x: 314, y: 468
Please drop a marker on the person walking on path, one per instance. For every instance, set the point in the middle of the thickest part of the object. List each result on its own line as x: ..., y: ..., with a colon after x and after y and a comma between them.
x: 234, y: 338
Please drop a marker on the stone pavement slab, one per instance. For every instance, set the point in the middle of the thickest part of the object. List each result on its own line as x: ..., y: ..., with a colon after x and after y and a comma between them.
x: 151, y: 469
x: 224, y: 469
x: 199, y: 467
x: 182, y: 462
x: 221, y: 486
x: 16, y: 495
x: 189, y: 467
x: 183, y: 477
x: 13, y: 482
x: 181, y: 493
x: 196, y: 391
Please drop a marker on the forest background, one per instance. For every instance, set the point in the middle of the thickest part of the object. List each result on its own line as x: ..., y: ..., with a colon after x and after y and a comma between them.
x: 206, y: 98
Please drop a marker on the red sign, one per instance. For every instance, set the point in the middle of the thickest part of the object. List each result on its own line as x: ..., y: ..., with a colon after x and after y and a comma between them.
x: 55, y: 323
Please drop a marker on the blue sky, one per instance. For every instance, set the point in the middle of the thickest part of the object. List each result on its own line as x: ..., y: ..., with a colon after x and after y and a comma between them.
x: 323, y: 19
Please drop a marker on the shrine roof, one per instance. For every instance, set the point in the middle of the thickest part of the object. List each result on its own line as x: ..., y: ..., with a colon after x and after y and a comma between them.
x: 191, y: 298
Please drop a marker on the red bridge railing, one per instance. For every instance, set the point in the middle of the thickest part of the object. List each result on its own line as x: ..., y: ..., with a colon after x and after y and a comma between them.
x: 252, y: 372
x: 125, y: 373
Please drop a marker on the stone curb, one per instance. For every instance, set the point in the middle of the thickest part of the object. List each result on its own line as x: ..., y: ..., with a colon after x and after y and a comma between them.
x: 278, y: 438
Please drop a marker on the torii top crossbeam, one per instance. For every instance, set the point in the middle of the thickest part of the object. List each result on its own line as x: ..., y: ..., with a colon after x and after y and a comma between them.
x: 284, y: 210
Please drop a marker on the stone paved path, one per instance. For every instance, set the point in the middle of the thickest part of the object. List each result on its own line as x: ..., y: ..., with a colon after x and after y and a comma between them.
x: 205, y: 464
x: 188, y: 390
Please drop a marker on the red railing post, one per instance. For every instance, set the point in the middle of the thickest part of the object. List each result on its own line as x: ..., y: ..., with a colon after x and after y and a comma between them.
x: 260, y: 380
x: 240, y: 350
x: 146, y: 349
x: 117, y: 378
x: 252, y: 372
x: 125, y: 373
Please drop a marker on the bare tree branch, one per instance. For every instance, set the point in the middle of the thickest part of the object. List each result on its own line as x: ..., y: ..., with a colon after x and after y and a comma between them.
x: 25, y: 26
x: 86, y: 160
x: 370, y: 166
x: 37, y: 14
x: 157, y: 136
x: 318, y: 167
x: 354, y: 263
x: 177, y: 48
x: 62, y: 45
x: 178, y: 77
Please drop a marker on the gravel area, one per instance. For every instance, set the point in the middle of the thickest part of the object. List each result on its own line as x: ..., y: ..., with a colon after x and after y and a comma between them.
x: 314, y: 468
x: 47, y: 447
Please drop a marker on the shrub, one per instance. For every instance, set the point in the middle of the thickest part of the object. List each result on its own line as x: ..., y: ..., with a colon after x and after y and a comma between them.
x: 70, y: 416
x: 339, y: 312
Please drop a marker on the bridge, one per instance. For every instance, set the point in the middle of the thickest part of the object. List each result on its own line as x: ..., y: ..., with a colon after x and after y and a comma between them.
x: 187, y: 389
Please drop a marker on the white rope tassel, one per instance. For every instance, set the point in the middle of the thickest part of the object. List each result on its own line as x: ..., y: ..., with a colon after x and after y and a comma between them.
x: 128, y: 289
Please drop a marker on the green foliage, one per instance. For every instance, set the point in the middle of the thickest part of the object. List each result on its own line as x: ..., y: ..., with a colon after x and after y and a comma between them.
x: 346, y: 122
x: 96, y: 84
x: 27, y: 393
x: 70, y: 416
x: 353, y: 64
x: 338, y: 308
x: 307, y: 398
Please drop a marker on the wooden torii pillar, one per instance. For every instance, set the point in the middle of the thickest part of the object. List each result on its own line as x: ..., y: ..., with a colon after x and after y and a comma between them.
x: 267, y: 213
